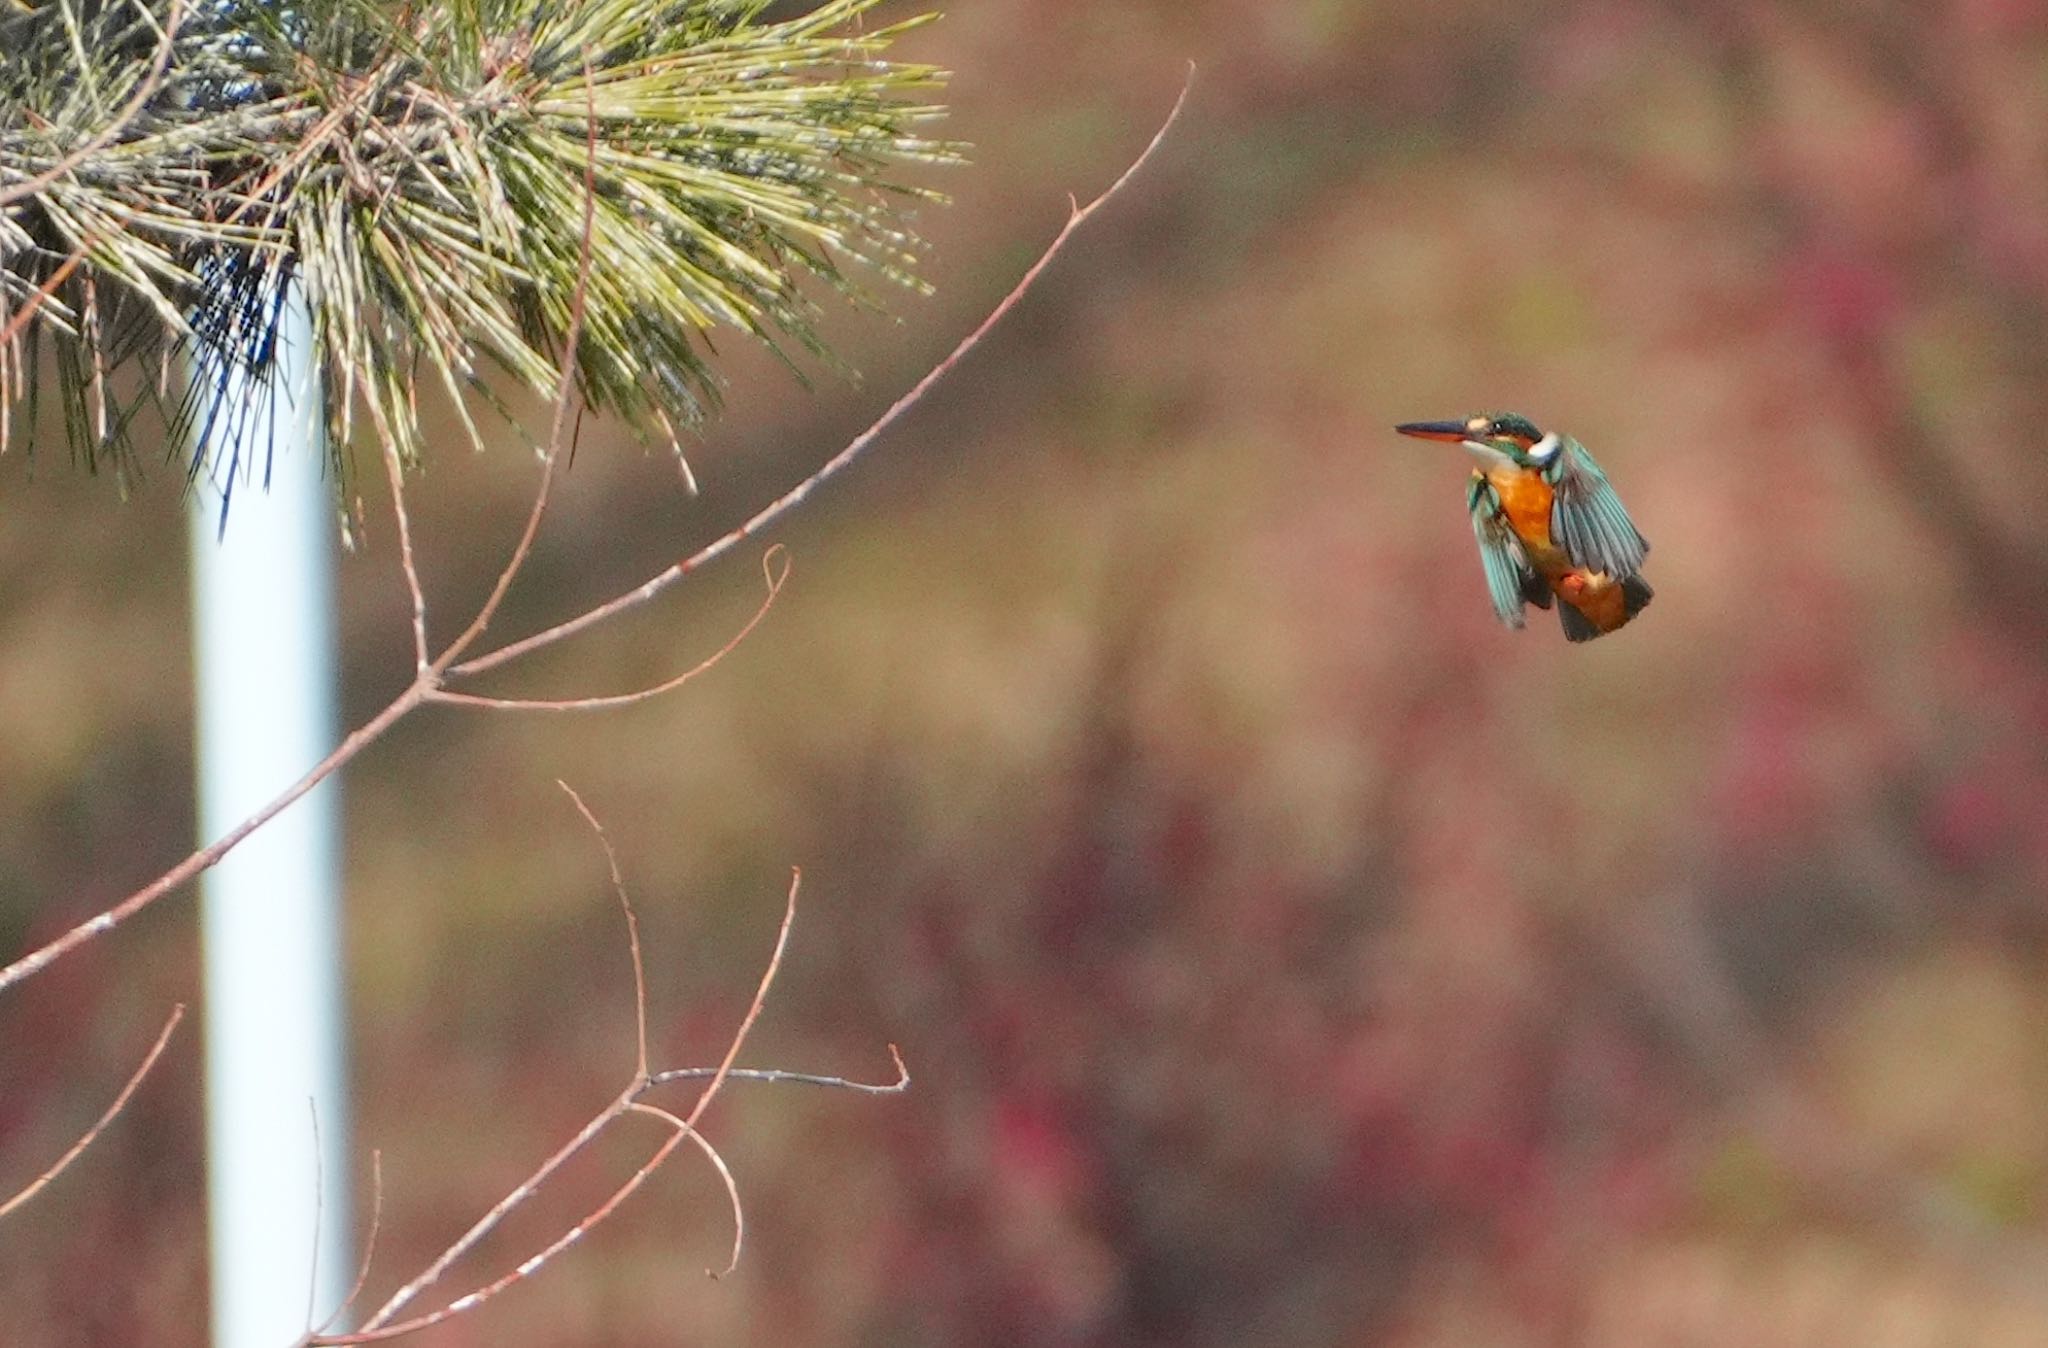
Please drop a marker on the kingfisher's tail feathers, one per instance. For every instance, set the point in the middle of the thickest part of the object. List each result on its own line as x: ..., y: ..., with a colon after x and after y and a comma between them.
x: 1635, y: 597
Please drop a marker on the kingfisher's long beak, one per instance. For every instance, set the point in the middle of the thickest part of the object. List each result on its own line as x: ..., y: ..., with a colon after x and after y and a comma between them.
x: 1435, y: 430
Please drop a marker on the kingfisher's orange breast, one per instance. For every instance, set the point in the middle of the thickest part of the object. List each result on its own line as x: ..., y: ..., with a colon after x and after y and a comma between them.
x: 1525, y: 499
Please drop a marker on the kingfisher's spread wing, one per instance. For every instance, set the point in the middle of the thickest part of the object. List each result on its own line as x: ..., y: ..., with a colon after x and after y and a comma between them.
x: 1587, y: 519
x: 1510, y: 581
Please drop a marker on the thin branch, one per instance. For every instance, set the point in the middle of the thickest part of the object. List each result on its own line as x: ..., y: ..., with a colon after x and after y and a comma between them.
x: 42, y: 1181
x: 611, y: 861
x: 44, y: 291
x: 382, y: 1325
x: 739, y: 1038
x: 774, y: 566
x: 732, y: 1189
x: 395, y: 472
x: 795, y: 496
x: 487, y: 1223
x: 319, y: 1212
x: 380, y: 1328
x: 367, y: 734
x: 778, y: 1077
x: 369, y: 1241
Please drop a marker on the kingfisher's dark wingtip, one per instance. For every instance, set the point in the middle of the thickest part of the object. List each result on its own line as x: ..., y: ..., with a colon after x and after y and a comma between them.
x: 1433, y: 430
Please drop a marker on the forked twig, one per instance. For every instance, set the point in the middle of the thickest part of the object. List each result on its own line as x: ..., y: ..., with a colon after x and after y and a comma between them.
x: 379, y: 1328
x: 774, y: 567
x: 427, y: 683
x: 113, y: 1111
x: 379, y: 1325
x: 355, y: 1289
x: 383, y: 1324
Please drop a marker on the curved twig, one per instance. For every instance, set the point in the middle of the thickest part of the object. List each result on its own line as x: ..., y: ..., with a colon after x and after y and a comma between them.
x: 369, y: 1241
x: 732, y: 1188
x: 774, y: 566
x: 383, y: 1324
x: 113, y: 1111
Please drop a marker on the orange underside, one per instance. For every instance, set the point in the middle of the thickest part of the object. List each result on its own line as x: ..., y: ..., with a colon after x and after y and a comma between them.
x: 1526, y: 498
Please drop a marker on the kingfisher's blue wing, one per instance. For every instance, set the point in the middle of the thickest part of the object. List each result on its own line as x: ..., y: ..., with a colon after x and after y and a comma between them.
x: 1509, y: 579
x: 1587, y: 519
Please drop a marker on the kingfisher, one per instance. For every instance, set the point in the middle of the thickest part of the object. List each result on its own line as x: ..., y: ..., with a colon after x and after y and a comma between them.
x: 1548, y: 524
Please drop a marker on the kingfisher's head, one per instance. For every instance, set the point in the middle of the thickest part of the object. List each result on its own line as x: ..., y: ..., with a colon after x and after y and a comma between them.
x: 1496, y: 439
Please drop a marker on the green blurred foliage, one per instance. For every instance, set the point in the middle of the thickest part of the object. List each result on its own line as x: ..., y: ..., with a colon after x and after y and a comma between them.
x: 1285, y: 953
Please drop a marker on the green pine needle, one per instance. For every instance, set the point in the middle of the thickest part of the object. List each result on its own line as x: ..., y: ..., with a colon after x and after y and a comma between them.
x: 167, y: 165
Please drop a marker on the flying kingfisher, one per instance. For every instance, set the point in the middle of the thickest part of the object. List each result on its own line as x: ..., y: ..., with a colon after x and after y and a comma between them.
x: 1548, y: 523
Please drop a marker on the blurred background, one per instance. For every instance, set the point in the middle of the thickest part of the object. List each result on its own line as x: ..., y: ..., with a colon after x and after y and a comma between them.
x: 1284, y: 952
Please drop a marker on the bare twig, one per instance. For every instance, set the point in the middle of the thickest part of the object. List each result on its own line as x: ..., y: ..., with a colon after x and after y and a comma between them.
x: 113, y: 1111
x: 383, y: 1324
x: 777, y: 1077
x: 775, y: 568
x: 732, y: 1189
x: 369, y: 1241
x: 611, y: 861
x: 395, y: 471
x: 44, y: 291
x: 426, y: 683
x: 360, y: 739
x: 739, y: 1038
x: 482, y: 1227
x: 488, y: 1222
x: 380, y: 1327
x: 319, y: 1212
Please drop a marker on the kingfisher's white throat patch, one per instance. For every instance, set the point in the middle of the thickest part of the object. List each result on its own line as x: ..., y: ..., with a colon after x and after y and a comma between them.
x: 1487, y: 455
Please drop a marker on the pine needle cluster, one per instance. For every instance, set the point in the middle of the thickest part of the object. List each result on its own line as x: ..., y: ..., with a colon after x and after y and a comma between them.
x: 169, y: 169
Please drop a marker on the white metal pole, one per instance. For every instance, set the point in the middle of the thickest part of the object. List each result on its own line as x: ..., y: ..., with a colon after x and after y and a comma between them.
x: 263, y: 632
